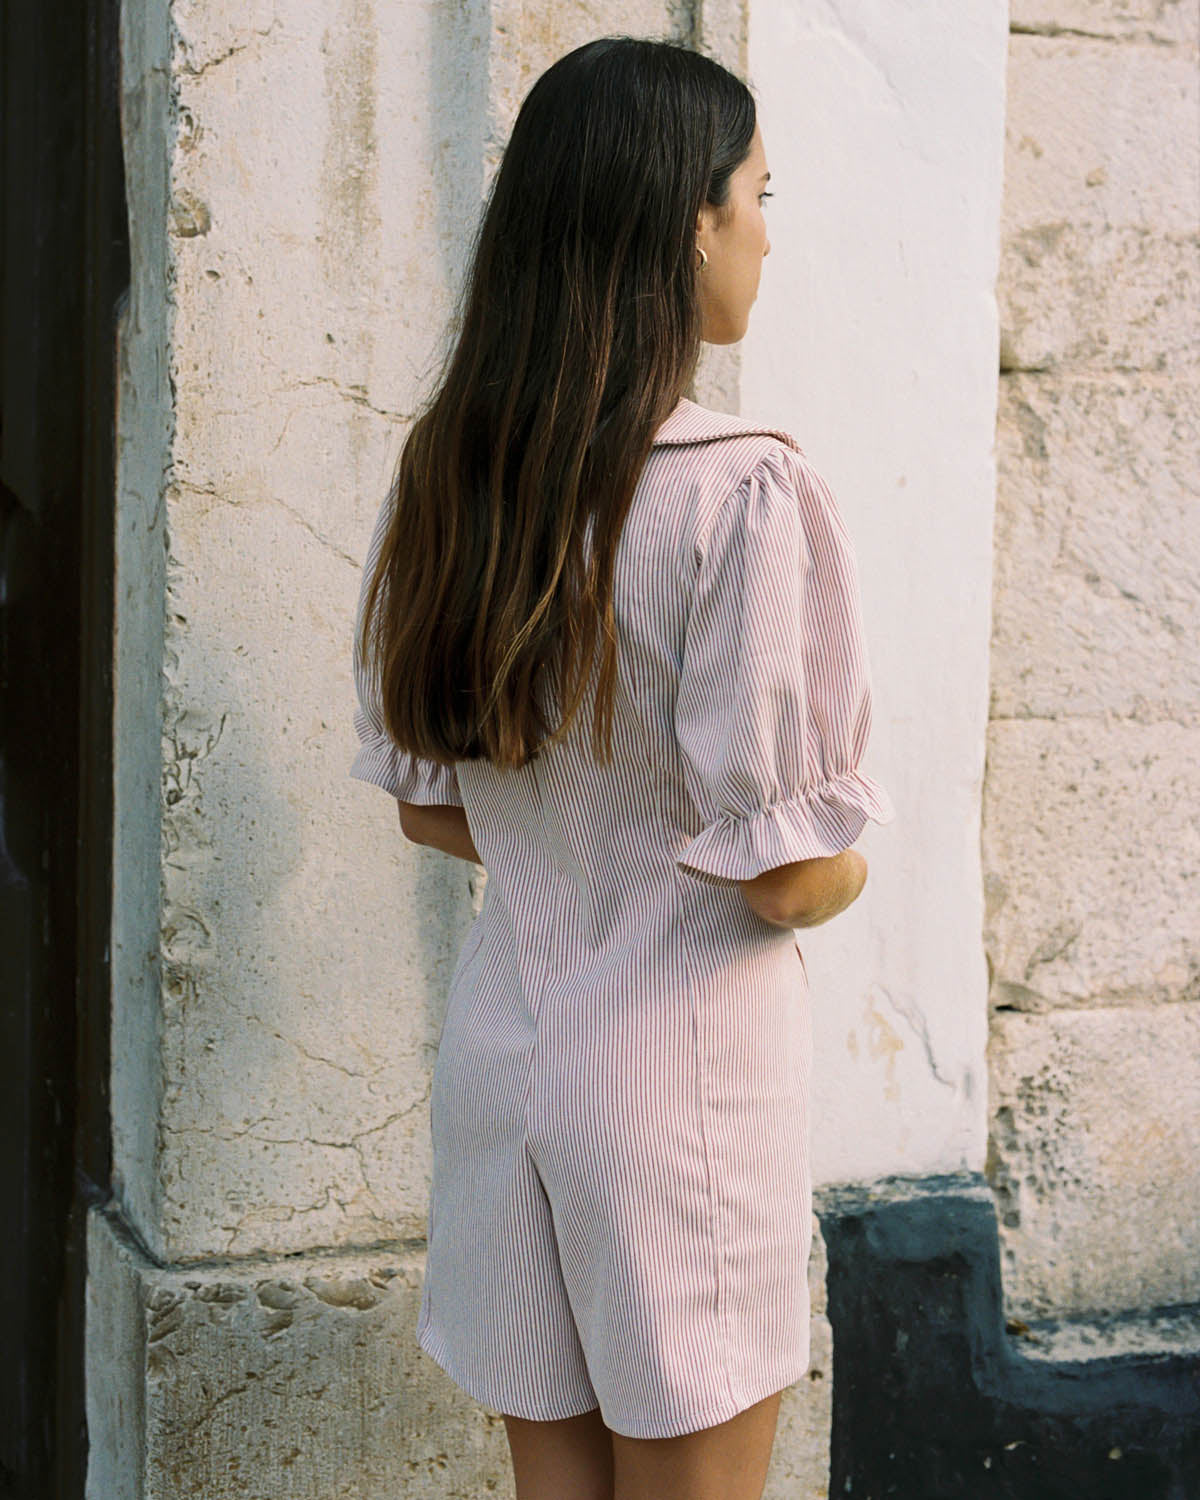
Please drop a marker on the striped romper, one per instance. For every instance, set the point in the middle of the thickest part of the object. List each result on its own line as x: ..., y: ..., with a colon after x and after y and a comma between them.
x: 621, y: 1207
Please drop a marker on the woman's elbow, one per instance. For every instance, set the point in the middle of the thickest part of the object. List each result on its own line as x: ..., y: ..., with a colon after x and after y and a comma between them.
x: 412, y: 824
x: 808, y: 892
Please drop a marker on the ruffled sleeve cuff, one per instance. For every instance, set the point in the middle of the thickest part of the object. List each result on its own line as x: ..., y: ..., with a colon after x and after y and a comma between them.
x: 408, y: 778
x: 816, y: 823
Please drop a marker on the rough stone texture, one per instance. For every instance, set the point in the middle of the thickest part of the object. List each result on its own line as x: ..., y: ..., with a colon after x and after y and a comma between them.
x: 1101, y: 257
x: 1093, y: 858
x: 1101, y: 134
x: 1091, y: 852
x: 1097, y: 564
x: 298, y: 1379
x: 1134, y: 20
x: 1100, y: 298
x: 1093, y: 1158
x: 301, y: 1379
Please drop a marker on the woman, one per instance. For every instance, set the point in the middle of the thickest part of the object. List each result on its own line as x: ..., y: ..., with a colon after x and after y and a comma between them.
x: 609, y: 646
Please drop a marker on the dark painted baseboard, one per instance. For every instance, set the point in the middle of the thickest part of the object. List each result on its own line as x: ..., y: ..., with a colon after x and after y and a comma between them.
x: 933, y: 1399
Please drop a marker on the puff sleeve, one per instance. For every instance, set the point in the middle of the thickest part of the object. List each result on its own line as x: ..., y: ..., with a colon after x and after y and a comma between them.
x: 773, y: 710
x: 379, y: 760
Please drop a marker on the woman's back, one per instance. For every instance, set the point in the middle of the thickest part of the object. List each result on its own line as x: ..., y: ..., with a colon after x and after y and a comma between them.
x: 742, y: 709
x: 621, y: 1084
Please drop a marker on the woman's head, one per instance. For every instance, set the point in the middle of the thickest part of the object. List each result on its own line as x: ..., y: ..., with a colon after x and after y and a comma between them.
x: 626, y: 156
x: 579, y: 327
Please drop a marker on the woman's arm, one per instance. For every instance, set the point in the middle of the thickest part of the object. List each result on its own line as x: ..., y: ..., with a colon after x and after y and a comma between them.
x: 439, y: 827
x: 808, y: 892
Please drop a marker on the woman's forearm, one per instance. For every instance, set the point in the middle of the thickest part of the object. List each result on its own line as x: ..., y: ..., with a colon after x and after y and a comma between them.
x: 808, y: 892
x: 441, y: 827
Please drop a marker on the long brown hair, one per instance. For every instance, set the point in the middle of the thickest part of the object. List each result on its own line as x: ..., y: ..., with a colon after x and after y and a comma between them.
x: 579, y: 332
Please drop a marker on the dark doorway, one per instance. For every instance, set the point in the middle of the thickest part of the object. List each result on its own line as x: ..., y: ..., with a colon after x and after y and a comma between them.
x: 63, y: 272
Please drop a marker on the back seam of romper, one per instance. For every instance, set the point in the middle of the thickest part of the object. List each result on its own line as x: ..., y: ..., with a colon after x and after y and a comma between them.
x: 686, y: 895
x: 535, y: 1012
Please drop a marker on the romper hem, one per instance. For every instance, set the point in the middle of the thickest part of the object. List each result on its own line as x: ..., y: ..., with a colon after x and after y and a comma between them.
x: 681, y: 1426
x: 711, y: 1416
x: 553, y: 1411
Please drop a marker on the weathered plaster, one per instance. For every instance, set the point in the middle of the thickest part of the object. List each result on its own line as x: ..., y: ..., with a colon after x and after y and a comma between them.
x: 874, y: 340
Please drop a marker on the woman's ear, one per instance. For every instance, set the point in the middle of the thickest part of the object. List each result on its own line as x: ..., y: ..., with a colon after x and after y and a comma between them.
x: 702, y: 226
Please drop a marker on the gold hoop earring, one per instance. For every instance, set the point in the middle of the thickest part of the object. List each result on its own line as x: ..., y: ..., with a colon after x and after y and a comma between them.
x: 703, y: 257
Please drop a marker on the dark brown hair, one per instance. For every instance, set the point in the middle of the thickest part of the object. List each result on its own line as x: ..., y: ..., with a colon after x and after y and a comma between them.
x: 579, y: 330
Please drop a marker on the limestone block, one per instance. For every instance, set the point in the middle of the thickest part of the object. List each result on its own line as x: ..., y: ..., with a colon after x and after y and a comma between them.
x: 1091, y: 853
x: 1094, y: 1141
x: 1096, y: 573
x: 324, y: 179
x: 298, y: 1379
x: 1095, y: 298
x: 1132, y: 20
x: 301, y: 1379
x: 1100, y: 253
x: 307, y: 949
x: 1101, y: 135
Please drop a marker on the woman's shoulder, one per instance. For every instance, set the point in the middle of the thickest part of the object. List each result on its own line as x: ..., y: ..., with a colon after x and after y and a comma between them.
x: 717, y: 456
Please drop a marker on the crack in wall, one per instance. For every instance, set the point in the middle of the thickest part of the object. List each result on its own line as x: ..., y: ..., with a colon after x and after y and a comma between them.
x: 1141, y: 37
x: 912, y: 1014
x: 1054, y: 945
x: 189, y: 69
x: 312, y: 1056
x: 210, y: 491
x: 354, y: 392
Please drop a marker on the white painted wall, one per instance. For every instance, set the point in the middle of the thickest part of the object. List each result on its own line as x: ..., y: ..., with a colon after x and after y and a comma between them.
x: 874, y: 340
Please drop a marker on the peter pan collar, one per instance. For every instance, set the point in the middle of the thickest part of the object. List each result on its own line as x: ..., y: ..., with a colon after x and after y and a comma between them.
x: 692, y: 423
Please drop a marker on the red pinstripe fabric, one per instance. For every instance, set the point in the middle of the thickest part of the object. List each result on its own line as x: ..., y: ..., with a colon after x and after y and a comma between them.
x: 621, y: 1203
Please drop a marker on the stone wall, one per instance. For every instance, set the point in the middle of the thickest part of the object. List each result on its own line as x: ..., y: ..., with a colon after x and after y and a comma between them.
x: 304, y: 177
x: 1091, y: 841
